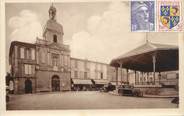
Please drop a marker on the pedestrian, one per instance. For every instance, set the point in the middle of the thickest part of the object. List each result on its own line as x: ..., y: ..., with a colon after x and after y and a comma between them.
x: 11, y: 87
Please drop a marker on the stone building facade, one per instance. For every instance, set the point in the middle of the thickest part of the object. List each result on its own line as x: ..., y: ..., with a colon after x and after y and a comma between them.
x: 53, y: 63
x: 45, y: 64
x: 23, y: 63
x: 86, y: 74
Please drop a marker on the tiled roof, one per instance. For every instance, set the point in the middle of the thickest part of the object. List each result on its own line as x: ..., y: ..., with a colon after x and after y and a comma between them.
x: 141, y: 58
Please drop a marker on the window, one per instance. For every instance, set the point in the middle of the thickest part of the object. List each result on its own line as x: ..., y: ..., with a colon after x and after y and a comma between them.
x: 28, y: 53
x: 26, y: 69
x: 55, y: 59
x: 62, y: 59
x: 55, y: 38
x: 76, y: 63
x: 101, y: 75
x: 42, y: 56
x: 96, y: 75
x: 76, y: 74
x: 54, y: 62
x: 22, y: 53
x: 85, y: 64
x: 96, y: 67
x: 88, y: 65
x: 65, y: 60
x: 32, y: 54
x: 32, y: 69
x: 48, y: 59
x: 29, y: 69
x: 68, y: 60
x: 85, y: 75
x: 81, y: 74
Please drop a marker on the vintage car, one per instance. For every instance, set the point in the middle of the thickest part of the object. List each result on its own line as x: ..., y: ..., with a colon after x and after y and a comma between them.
x: 175, y: 100
x: 108, y: 87
x: 128, y: 90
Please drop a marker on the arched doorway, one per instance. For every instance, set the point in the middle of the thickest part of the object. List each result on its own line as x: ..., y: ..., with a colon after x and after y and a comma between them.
x: 55, y: 83
x: 28, y: 86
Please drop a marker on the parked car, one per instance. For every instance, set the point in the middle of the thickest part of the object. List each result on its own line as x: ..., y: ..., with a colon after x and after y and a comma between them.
x: 108, y: 87
x: 175, y: 100
x: 128, y: 90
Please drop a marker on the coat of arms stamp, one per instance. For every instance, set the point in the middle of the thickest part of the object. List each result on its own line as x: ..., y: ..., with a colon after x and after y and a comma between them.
x: 169, y: 16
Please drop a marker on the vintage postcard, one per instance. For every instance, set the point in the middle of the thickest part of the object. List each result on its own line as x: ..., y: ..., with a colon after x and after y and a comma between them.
x: 169, y: 16
x: 86, y: 56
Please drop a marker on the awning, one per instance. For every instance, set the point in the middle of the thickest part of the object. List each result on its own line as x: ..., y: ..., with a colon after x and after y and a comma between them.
x: 114, y: 83
x: 82, y: 81
x: 102, y: 82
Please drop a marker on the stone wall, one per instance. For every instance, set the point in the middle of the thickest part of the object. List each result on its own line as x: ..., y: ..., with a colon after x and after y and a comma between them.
x: 94, y: 70
x: 19, y: 85
x: 44, y: 80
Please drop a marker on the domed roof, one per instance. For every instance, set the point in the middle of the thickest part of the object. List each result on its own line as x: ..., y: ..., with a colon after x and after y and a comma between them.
x: 52, y: 25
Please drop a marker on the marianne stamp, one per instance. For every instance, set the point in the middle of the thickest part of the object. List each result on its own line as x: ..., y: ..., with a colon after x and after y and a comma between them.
x: 142, y: 16
x: 169, y: 16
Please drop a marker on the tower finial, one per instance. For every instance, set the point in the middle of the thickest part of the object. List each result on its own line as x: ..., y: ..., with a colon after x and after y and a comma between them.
x: 52, y: 12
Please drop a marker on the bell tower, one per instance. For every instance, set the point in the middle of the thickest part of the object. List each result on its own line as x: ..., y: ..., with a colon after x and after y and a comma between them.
x: 53, y: 31
x: 52, y: 12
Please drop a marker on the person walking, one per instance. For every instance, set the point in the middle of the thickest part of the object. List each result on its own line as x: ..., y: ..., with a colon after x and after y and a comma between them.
x: 11, y: 87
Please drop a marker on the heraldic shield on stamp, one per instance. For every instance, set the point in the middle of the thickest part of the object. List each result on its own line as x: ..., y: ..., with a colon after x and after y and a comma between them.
x: 142, y: 16
x: 169, y: 16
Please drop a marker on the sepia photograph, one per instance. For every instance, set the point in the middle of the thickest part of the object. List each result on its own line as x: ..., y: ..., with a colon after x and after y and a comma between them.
x: 89, y: 56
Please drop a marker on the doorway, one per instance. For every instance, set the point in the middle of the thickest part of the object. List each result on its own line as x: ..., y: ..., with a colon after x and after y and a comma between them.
x: 55, y: 83
x: 28, y: 86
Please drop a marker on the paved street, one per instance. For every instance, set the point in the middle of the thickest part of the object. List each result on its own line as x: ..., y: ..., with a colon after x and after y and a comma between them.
x: 83, y: 100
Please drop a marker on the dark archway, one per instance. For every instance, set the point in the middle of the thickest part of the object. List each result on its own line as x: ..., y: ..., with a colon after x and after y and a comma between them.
x: 28, y: 86
x: 55, y: 83
x: 55, y: 38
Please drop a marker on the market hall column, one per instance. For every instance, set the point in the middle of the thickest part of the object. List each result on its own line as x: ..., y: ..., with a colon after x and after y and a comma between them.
x: 127, y: 79
x: 116, y: 76
x: 154, y: 66
x: 121, y: 67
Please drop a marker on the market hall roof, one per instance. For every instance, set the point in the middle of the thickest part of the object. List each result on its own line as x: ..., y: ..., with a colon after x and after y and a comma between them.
x: 141, y: 58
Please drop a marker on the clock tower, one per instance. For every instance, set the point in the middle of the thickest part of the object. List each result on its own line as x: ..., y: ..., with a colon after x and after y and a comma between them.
x: 53, y: 31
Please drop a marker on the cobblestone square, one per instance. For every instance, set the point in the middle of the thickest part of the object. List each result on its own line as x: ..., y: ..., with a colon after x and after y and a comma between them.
x: 83, y: 100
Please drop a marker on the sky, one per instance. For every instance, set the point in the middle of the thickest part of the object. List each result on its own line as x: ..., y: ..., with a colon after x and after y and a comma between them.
x: 98, y: 31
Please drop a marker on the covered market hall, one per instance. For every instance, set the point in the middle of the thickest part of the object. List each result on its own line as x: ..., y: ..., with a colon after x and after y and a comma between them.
x: 148, y: 58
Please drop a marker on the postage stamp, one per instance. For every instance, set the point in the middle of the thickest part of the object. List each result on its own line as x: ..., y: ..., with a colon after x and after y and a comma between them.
x: 169, y: 16
x: 142, y: 16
